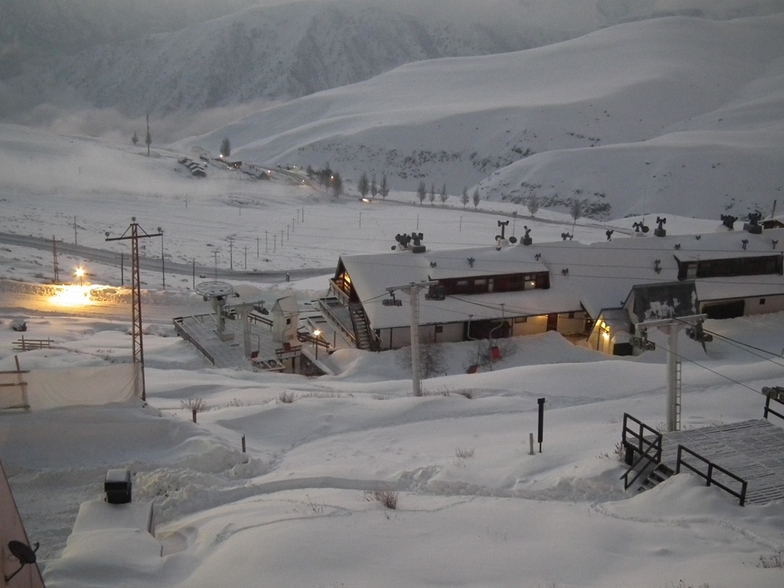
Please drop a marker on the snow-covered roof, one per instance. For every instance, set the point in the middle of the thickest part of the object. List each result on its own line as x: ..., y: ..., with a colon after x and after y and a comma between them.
x: 594, y: 277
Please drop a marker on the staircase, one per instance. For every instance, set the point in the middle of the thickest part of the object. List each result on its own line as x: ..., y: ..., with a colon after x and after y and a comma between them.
x: 658, y: 475
x: 365, y: 337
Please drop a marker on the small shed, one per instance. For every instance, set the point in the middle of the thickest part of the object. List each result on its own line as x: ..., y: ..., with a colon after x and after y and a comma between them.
x: 285, y: 319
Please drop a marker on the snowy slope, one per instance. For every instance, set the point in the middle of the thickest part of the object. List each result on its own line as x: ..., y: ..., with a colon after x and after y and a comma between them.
x: 140, y: 56
x: 681, y: 115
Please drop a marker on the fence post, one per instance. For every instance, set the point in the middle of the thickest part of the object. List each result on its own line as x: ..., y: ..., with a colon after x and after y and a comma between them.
x: 194, y: 415
x: 710, y: 473
x: 243, y: 444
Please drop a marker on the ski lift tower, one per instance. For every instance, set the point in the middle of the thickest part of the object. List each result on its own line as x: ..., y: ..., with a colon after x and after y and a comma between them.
x: 216, y: 294
x: 671, y: 308
x: 412, y: 290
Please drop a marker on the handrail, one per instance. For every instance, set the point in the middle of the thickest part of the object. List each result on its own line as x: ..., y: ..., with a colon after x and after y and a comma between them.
x: 643, y: 446
x: 741, y: 496
x: 773, y: 393
x: 625, y: 476
x: 641, y: 440
x: 182, y: 333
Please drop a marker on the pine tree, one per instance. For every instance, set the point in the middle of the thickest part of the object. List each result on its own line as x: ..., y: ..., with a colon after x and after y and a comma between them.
x: 383, y: 189
x: 432, y: 195
x: 225, y: 147
x: 476, y: 197
x: 373, y: 187
x: 464, y: 198
x: 134, y: 139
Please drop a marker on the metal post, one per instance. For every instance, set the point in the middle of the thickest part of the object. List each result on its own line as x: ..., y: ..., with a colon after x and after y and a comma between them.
x: 163, y: 266
x: 672, y: 376
x: 416, y: 375
x: 540, y: 401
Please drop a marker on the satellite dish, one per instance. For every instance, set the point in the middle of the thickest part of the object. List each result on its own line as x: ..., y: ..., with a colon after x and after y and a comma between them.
x: 513, y: 240
x: 24, y: 553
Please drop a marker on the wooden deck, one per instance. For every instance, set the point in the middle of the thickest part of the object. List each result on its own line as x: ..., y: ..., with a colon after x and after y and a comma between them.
x: 753, y: 450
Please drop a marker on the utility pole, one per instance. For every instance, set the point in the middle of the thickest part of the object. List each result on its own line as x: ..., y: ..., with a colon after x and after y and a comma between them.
x: 163, y: 267
x: 136, y: 299
x: 412, y: 290
x: 215, y: 255
x: 75, y: 236
x: 231, y: 253
x: 56, y: 265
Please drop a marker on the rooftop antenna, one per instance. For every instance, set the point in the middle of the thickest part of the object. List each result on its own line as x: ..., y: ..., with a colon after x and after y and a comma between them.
x: 660, y: 230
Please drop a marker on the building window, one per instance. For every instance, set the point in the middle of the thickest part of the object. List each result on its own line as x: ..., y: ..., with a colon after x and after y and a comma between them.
x: 521, y: 319
x: 762, y: 301
x: 439, y: 328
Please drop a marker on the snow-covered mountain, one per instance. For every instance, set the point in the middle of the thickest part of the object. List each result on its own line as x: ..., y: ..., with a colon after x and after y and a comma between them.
x: 146, y: 56
x: 683, y: 115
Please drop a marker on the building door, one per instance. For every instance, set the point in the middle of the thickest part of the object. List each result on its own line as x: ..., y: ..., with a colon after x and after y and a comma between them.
x: 552, y: 322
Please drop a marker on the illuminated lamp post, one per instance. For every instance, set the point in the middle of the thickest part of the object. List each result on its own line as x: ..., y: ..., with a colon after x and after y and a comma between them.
x: 317, y: 334
x: 79, y: 273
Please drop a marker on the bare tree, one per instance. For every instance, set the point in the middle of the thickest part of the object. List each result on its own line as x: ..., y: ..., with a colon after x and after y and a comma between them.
x: 533, y: 204
x: 442, y: 194
x: 148, y: 138
x: 336, y: 183
x: 577, y: 212
x: 363, y: 185
x: 134, y: 139
x: 431, y: 358
x: 421, y: 192
x: 432, y: 195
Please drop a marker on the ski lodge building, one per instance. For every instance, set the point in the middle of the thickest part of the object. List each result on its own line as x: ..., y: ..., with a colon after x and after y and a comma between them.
x: 596, y: 292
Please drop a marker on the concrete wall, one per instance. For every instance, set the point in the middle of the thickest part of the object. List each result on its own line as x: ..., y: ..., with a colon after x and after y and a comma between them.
x: 771, y: 304
x: 532, y: 326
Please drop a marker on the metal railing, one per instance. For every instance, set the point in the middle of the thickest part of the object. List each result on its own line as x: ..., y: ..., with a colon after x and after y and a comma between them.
x: 709, y: 476
x: 178, y: 326
x: 776, y: 394
x: 649, y: 449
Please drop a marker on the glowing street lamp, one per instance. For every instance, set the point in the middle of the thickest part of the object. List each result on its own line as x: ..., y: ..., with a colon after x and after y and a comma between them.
x: 79, y: 273
x: 317, y: 334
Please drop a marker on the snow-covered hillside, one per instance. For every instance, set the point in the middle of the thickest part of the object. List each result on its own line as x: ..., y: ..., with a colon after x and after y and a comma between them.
x: 141, y: 56
x: 682, y: 115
